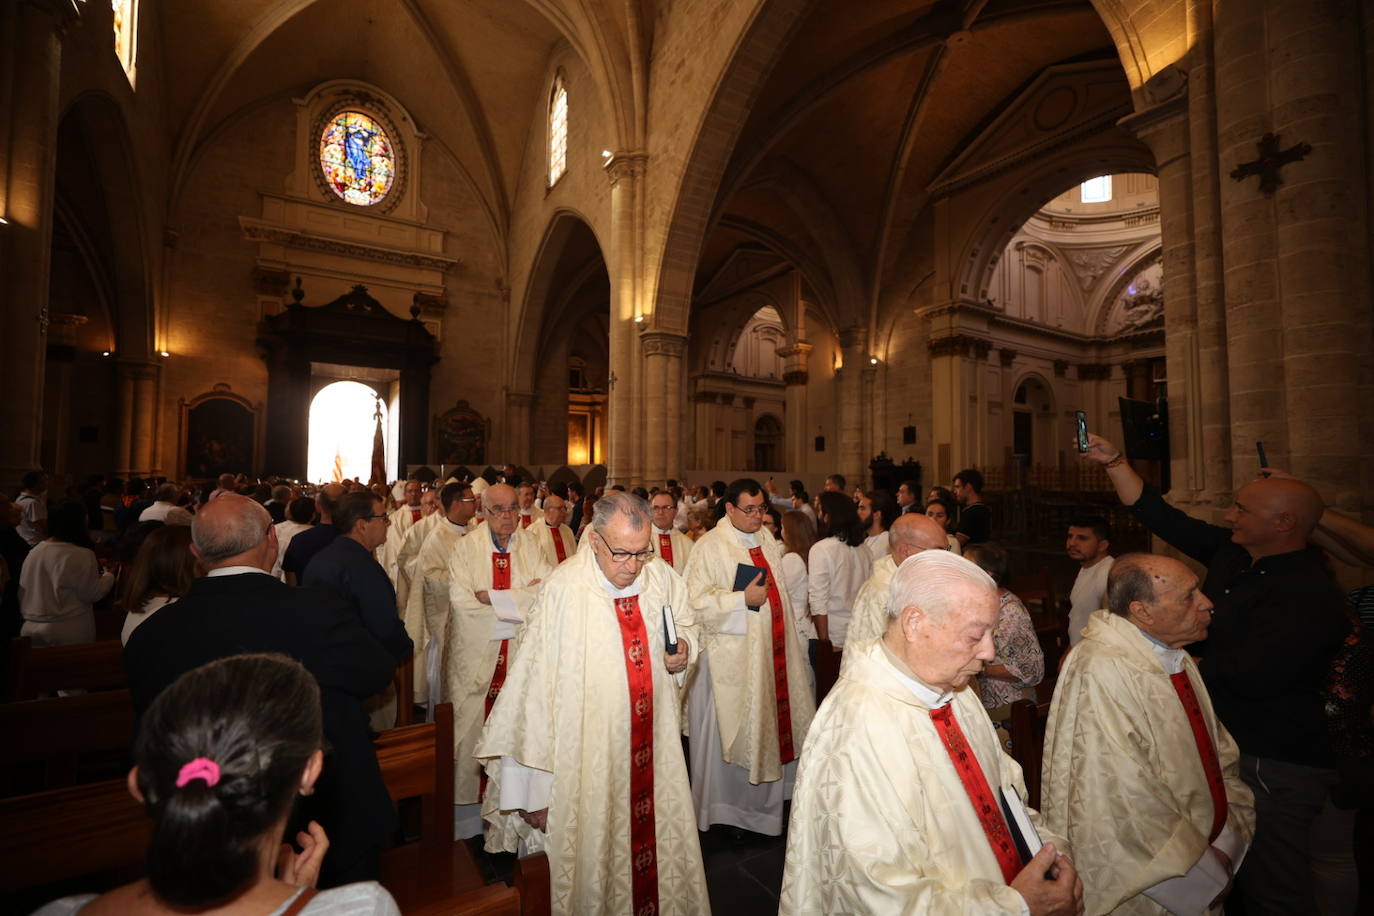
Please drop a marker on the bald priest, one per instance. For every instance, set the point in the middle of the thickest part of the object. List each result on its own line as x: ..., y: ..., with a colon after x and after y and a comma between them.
x: 905, y: 801
x: 582, y: 748
x: 1140, y: 774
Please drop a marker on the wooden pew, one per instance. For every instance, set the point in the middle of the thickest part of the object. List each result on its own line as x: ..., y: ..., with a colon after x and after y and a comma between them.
x: 59, y: 733
x: 1028, y: 721
x: 32, y: 671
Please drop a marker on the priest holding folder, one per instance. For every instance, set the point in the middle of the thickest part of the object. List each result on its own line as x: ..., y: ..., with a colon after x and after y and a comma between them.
x: 750, y: 702
x: 582, y: 749
x: 905, y: 800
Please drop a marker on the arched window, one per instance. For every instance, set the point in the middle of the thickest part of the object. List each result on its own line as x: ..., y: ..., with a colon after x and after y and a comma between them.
x: 125, y: 33
x: 558, y: 130
x: 357, y: 158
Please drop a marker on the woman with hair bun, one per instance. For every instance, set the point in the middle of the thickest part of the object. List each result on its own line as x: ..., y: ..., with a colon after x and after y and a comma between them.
x: 221, y: 757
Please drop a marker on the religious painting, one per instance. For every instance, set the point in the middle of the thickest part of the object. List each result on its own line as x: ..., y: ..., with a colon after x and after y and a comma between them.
x: 357, y: 158
x: 219, y: 438
x: 462, y: 436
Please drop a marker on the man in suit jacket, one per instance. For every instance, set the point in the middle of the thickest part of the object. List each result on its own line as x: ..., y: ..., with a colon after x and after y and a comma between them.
x: 240, y: 607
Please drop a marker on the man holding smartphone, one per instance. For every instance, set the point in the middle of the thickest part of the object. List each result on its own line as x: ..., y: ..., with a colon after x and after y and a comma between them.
x: 1278, y: 621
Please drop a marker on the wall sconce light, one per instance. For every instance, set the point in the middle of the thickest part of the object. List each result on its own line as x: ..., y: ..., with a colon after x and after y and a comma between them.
x: 605, y: 154
x: 639, y: 319
x: 104, y: 352
x: 164, y: 354
x: 3, y: 221
x: 873, y: 360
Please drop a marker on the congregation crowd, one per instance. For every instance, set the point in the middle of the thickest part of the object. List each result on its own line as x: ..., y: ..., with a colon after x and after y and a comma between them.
x: 843, y: 668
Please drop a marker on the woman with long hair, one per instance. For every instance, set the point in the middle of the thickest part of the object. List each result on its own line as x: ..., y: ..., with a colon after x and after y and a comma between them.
x: 1020, y: 662
x: 942, y: 510
x: 798, y: 537
x: 221, y: 757
x: 161, y: 573
x: 837, y: 567
x: 62, y: 580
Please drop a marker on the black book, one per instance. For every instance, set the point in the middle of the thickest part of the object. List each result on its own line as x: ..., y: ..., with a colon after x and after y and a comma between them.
x: 745, y: 576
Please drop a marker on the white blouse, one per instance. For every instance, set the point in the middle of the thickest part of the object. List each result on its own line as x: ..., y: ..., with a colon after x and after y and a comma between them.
x: 836, y: 572
x: 57, y: 587
x: 795, y: 579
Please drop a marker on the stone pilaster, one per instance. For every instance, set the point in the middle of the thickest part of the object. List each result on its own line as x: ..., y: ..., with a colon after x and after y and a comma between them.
x: 852, y: 408
x: 32, y: 36
x: 624, y: 262
x: 795, y: 376
x: 661, y: 433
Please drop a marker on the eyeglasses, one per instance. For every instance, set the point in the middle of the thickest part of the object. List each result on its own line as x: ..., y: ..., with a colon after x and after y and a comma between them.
x: 760, y: 509
x: 625, y: 556
x: 502, y: 510
x: 467, y: 499
x: 387, y: 517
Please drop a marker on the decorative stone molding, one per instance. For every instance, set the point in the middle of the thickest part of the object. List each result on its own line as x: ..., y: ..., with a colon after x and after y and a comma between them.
x: 1091, y: 263
x: 257, y: 230
x: 520, y: 399
x: 795, y: 377
x: 1061, y: 368
x: 274, y: 283
x: 624, y: 165
x: 727, y: 398
x: 704, y: 397
x: 663, y: 343
x: 749, y: 402
x: 961, y: 345
x: 1007, y: 356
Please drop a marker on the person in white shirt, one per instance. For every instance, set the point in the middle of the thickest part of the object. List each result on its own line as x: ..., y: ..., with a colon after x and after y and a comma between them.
x: 33, y: 506
x: 877, y: 511
x: 61, y: 581
x: 668, y: 544
x: 798, y: 537
x: 164, y: 508
x: 299, y: 512
x: 837, y: 567
x: 1089, y: 539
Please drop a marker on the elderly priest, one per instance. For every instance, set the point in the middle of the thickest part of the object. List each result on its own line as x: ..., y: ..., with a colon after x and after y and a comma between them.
x: 905, y: 800
x: 582, y: 749
x: 1139, y: 773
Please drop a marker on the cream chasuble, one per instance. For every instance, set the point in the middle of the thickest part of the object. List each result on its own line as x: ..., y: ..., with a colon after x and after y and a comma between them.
x: 674, y: 543
x: 476, y: 635
x: 881, y: 821
x: 566, y: 709
x: 411, y: 543
x: 868, y: 620
x: 1123, y: 775
x: 402, y: 519
x: 546, y: 536
x: 427, y: 598
x: 739, y: 644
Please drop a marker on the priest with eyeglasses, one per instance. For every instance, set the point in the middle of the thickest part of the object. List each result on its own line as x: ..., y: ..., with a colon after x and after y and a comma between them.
x: 494, y: 576
x: 750, y: 702
x: 582, y: 749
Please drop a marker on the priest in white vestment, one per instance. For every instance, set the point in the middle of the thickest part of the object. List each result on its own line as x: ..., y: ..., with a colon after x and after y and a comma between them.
x: 494, y: 575
x: 750, y: 703
x: 529, y: 512
x: 905, y: 801
x: 1139, y: 773
x: 669, y: 544
x: 555, y: 538
x: 427, y: 593
x: 909, y: 535
x: 583, y: 750
x: 402, y: 518
x: 412, y: 541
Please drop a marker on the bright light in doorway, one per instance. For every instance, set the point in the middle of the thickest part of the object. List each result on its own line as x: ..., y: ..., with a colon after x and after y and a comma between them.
x: 341, y: 433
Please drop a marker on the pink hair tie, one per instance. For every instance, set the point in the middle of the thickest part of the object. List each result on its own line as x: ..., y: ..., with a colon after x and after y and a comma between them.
x: 200, y: 768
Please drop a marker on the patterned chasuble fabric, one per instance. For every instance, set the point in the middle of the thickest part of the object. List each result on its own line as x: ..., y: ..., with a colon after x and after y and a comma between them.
x: 786, y: 753
x: 639, y: 678
x: 665, y: 548
x: 1211, y: 766
x: 979, y: 793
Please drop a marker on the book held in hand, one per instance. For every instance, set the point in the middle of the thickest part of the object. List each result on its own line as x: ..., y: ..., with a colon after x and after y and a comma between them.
x: 669, y: 631
x: 745, y: 576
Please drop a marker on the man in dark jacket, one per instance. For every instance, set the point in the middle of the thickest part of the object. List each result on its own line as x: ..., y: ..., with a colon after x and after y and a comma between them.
x: 240, y: 607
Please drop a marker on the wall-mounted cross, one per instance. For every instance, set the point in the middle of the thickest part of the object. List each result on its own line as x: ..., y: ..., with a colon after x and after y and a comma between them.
x: 1270, y: 160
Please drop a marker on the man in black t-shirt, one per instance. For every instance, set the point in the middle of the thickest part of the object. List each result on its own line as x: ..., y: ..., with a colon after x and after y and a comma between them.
x: 305, y: 545
x: 975, y: 518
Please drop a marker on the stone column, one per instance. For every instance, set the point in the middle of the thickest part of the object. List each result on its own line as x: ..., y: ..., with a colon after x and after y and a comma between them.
x: 854, y: 353
x: 661, y: 433
x: 624, y: 263
x: 868, y: 398
x: 137, y: 381
x: 518, y: 409
x: 32, y: 35
x: 795, y: 376
x: 1321, y: 236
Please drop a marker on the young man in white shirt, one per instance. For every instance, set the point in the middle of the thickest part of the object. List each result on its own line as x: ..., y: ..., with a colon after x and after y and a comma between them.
x: 1088, y: 542
x: 33, y: 504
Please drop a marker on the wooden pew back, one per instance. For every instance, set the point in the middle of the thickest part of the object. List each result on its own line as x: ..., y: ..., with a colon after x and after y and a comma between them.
x: 33, y: 671
x: 60, y: 732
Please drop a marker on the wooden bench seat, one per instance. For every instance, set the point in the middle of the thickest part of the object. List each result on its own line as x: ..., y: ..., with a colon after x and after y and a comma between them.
x: 33, y: 671
x: 57, y: 736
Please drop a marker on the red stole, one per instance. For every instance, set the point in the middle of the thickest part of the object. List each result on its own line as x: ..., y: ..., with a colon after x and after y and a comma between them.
x: 415, y: 515
x: 665, y: 548
x: 558, y: 547
x: 987, y: 808
x: 785, y: 752
x: 525, y: 520
x: 1211, y: 766
x: 500, y: 582
x: 639, y: 676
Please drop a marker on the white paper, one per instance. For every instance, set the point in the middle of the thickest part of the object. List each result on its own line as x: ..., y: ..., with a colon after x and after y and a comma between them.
x: 1023, y: 821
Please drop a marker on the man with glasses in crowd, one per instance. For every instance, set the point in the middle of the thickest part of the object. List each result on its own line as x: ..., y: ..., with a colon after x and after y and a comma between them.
x: 668, y: 544
x: 750, y: 703
x: 582, y: 749
x: 427, y: 598
x: 555, y: 537
x: 493, y: 577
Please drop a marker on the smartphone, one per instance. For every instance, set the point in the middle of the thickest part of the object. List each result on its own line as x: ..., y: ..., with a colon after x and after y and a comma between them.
x: 1263, y: 459
x: 1080, y: 419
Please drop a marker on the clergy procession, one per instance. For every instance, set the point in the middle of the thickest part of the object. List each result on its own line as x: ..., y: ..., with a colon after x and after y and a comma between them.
x: 623, y: 691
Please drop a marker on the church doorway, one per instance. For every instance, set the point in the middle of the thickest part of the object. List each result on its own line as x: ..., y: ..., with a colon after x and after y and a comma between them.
x: 1032, y: 423
x: 344, y: 420
x: 768, y: 444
